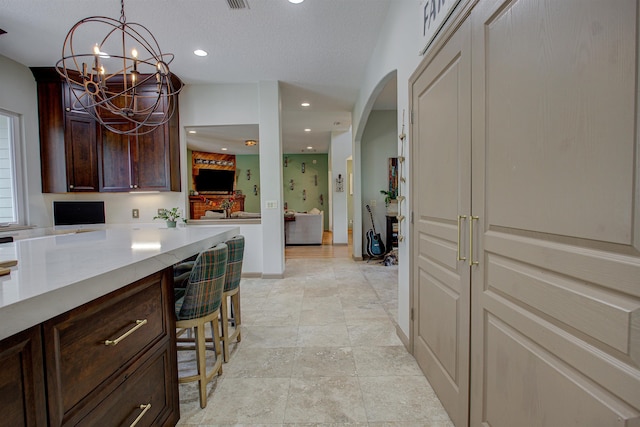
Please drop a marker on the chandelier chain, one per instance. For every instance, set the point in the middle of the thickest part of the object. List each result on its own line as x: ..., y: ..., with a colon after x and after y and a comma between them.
x: 123, y: 18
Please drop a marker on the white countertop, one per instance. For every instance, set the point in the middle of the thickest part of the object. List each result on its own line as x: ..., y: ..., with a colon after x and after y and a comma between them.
x: 58, y: 272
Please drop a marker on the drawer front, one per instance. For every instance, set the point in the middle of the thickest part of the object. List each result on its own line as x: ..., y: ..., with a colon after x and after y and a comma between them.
x: 151, y: 384
x: 78, y: 360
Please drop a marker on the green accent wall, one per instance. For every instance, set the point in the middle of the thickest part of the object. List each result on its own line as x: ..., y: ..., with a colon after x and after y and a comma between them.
x: 315, y: 165
x: 244, y: 163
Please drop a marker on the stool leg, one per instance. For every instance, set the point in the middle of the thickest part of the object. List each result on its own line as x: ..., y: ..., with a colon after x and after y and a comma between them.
x: 217, y: 340
x: 202, y: 364
x: 235, y: 303
x: 225, y: 328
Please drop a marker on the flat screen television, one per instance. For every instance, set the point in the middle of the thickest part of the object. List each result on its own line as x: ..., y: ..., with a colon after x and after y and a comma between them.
x: 214, y: 181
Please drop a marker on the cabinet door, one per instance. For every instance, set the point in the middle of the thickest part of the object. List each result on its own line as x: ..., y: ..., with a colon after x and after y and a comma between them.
x: 116, y: 163
x: 556, y: 295
x: 81, y: 152
x: 442, y: 189
x: 152, y: 168
x: 22, y: 396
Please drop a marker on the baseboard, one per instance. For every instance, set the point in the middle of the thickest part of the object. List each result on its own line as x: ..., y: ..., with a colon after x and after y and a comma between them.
x: 272, y: 276
x: 357, y: 258
x: 251, y: 275
x: 403, y: 338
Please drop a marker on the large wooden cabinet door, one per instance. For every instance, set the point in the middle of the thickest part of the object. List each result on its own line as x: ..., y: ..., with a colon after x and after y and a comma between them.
x: 116, y: 164
x: 442, y: 185
x: 556, y: 294
x: 81, y: 152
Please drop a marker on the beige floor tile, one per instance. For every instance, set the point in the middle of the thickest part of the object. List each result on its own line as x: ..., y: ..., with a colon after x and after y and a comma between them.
x: 248, y: 401
x: 323, y: 336
x: 269, y: 336
x: 384, y: 361
x: 261, y: 363
x: 374, y: 334
x: 325, y: 400
x: 324, y: 362
x: 401, y: 398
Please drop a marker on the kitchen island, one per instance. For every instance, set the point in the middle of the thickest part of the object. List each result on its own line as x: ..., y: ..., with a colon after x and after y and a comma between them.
x: 92, y: 312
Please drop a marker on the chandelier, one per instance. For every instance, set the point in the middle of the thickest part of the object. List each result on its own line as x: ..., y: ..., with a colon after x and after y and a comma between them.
x: 118, y: 74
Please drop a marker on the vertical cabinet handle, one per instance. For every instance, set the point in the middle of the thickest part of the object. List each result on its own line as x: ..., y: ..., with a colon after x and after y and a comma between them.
x: 460, y: 218
x: 471, y: 219
x: 144, y: 408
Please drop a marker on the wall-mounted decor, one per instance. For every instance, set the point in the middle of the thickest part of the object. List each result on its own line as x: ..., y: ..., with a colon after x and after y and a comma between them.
x: 291, y: 185
x: 315, y: 180
x: 255, y: 190
x: 302, y: 167
x: 321, y: 200
x: 286, y: 161
x: 248, y: 174
x: 304, y: 194
x: 339, y: 184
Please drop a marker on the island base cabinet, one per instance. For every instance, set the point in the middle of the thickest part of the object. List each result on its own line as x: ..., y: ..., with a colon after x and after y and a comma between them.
x: 114, y: 352
x: 22, y: 395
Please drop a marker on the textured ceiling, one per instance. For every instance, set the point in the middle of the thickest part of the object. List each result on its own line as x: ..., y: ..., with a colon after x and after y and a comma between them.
x: 318, y: 49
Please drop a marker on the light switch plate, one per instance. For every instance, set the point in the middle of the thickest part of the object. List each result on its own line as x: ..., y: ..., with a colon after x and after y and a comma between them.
x: 135, y: 213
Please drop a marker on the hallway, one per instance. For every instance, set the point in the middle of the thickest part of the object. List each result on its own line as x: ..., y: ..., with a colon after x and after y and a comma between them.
x: 319, y: 347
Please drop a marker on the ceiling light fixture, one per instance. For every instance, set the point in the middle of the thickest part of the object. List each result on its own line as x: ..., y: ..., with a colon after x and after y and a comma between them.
x: 200, y: 52
x: 296, y: 1
x: 307, y: 130
x: 305, y: 104
x: 309, y: 148
x: 224, y: 148
x: 123, y: 77
x: 192, y: 131
x: 250, y: 142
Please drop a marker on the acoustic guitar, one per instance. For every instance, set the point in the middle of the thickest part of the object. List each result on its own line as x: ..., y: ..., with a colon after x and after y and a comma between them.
x: 375, y: 247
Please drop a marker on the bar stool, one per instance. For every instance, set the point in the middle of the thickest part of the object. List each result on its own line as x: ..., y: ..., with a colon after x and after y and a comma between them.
x: 200, y: 305
x: 232, y: 291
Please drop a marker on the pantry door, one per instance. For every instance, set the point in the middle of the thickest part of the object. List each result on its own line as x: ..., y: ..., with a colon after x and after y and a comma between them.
x: 441, y: 154
x: 555, y: 159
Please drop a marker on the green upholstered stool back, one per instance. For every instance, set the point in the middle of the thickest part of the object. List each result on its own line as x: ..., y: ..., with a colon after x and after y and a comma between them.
x: 234, y: 262
x: 203, y: 292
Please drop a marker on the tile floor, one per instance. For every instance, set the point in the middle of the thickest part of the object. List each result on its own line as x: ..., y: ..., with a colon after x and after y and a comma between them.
x: 319, y: 348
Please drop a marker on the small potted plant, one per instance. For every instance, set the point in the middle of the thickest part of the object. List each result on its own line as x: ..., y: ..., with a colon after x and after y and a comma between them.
x: 390, y: 201
x: 170, y: 215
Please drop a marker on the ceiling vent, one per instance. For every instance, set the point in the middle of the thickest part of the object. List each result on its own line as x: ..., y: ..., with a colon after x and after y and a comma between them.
x: 237, y: 4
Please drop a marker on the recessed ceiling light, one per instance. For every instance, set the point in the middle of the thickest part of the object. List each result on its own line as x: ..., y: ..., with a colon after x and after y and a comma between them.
x: 223, y: 149
x: 307, y: 130
x: 192, y: 131
x: 296, y: 1
x: 250, y: 142
x: 200, y: 52
x: 305, y: 104
x: 309, y: 148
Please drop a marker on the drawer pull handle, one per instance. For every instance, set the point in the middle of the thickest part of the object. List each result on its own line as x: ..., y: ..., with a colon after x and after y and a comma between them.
x: 144, y: 408
x: 139, y: 324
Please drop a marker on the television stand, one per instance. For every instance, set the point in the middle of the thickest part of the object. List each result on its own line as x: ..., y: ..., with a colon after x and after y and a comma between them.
x: 198, y: 205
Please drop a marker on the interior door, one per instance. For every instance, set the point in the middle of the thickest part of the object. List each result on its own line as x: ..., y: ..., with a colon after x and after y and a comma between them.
x: 556, y: 293
x: 441, y: 188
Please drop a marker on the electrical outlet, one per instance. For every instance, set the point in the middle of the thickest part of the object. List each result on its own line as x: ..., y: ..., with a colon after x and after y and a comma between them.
x: 135, y: 213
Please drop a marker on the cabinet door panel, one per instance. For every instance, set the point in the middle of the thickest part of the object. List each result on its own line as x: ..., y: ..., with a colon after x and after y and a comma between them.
x: 555, y: 297
x: 152, y: 164
x: 22, y: 396
x: 81, y: 151
x: 115, y: 161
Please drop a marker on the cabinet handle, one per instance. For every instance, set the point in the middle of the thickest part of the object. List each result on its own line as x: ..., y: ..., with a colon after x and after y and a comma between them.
x: 130, y: 185
x: 71, y: 186
x: 460, y: 218
x: 471, y: 261
x: 139, y: 324
x: 144, y: 408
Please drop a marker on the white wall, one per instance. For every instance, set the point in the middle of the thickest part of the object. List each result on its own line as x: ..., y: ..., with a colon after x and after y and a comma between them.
x: 339, y: 153
x: 396, y: 49
x: 377, y: 145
